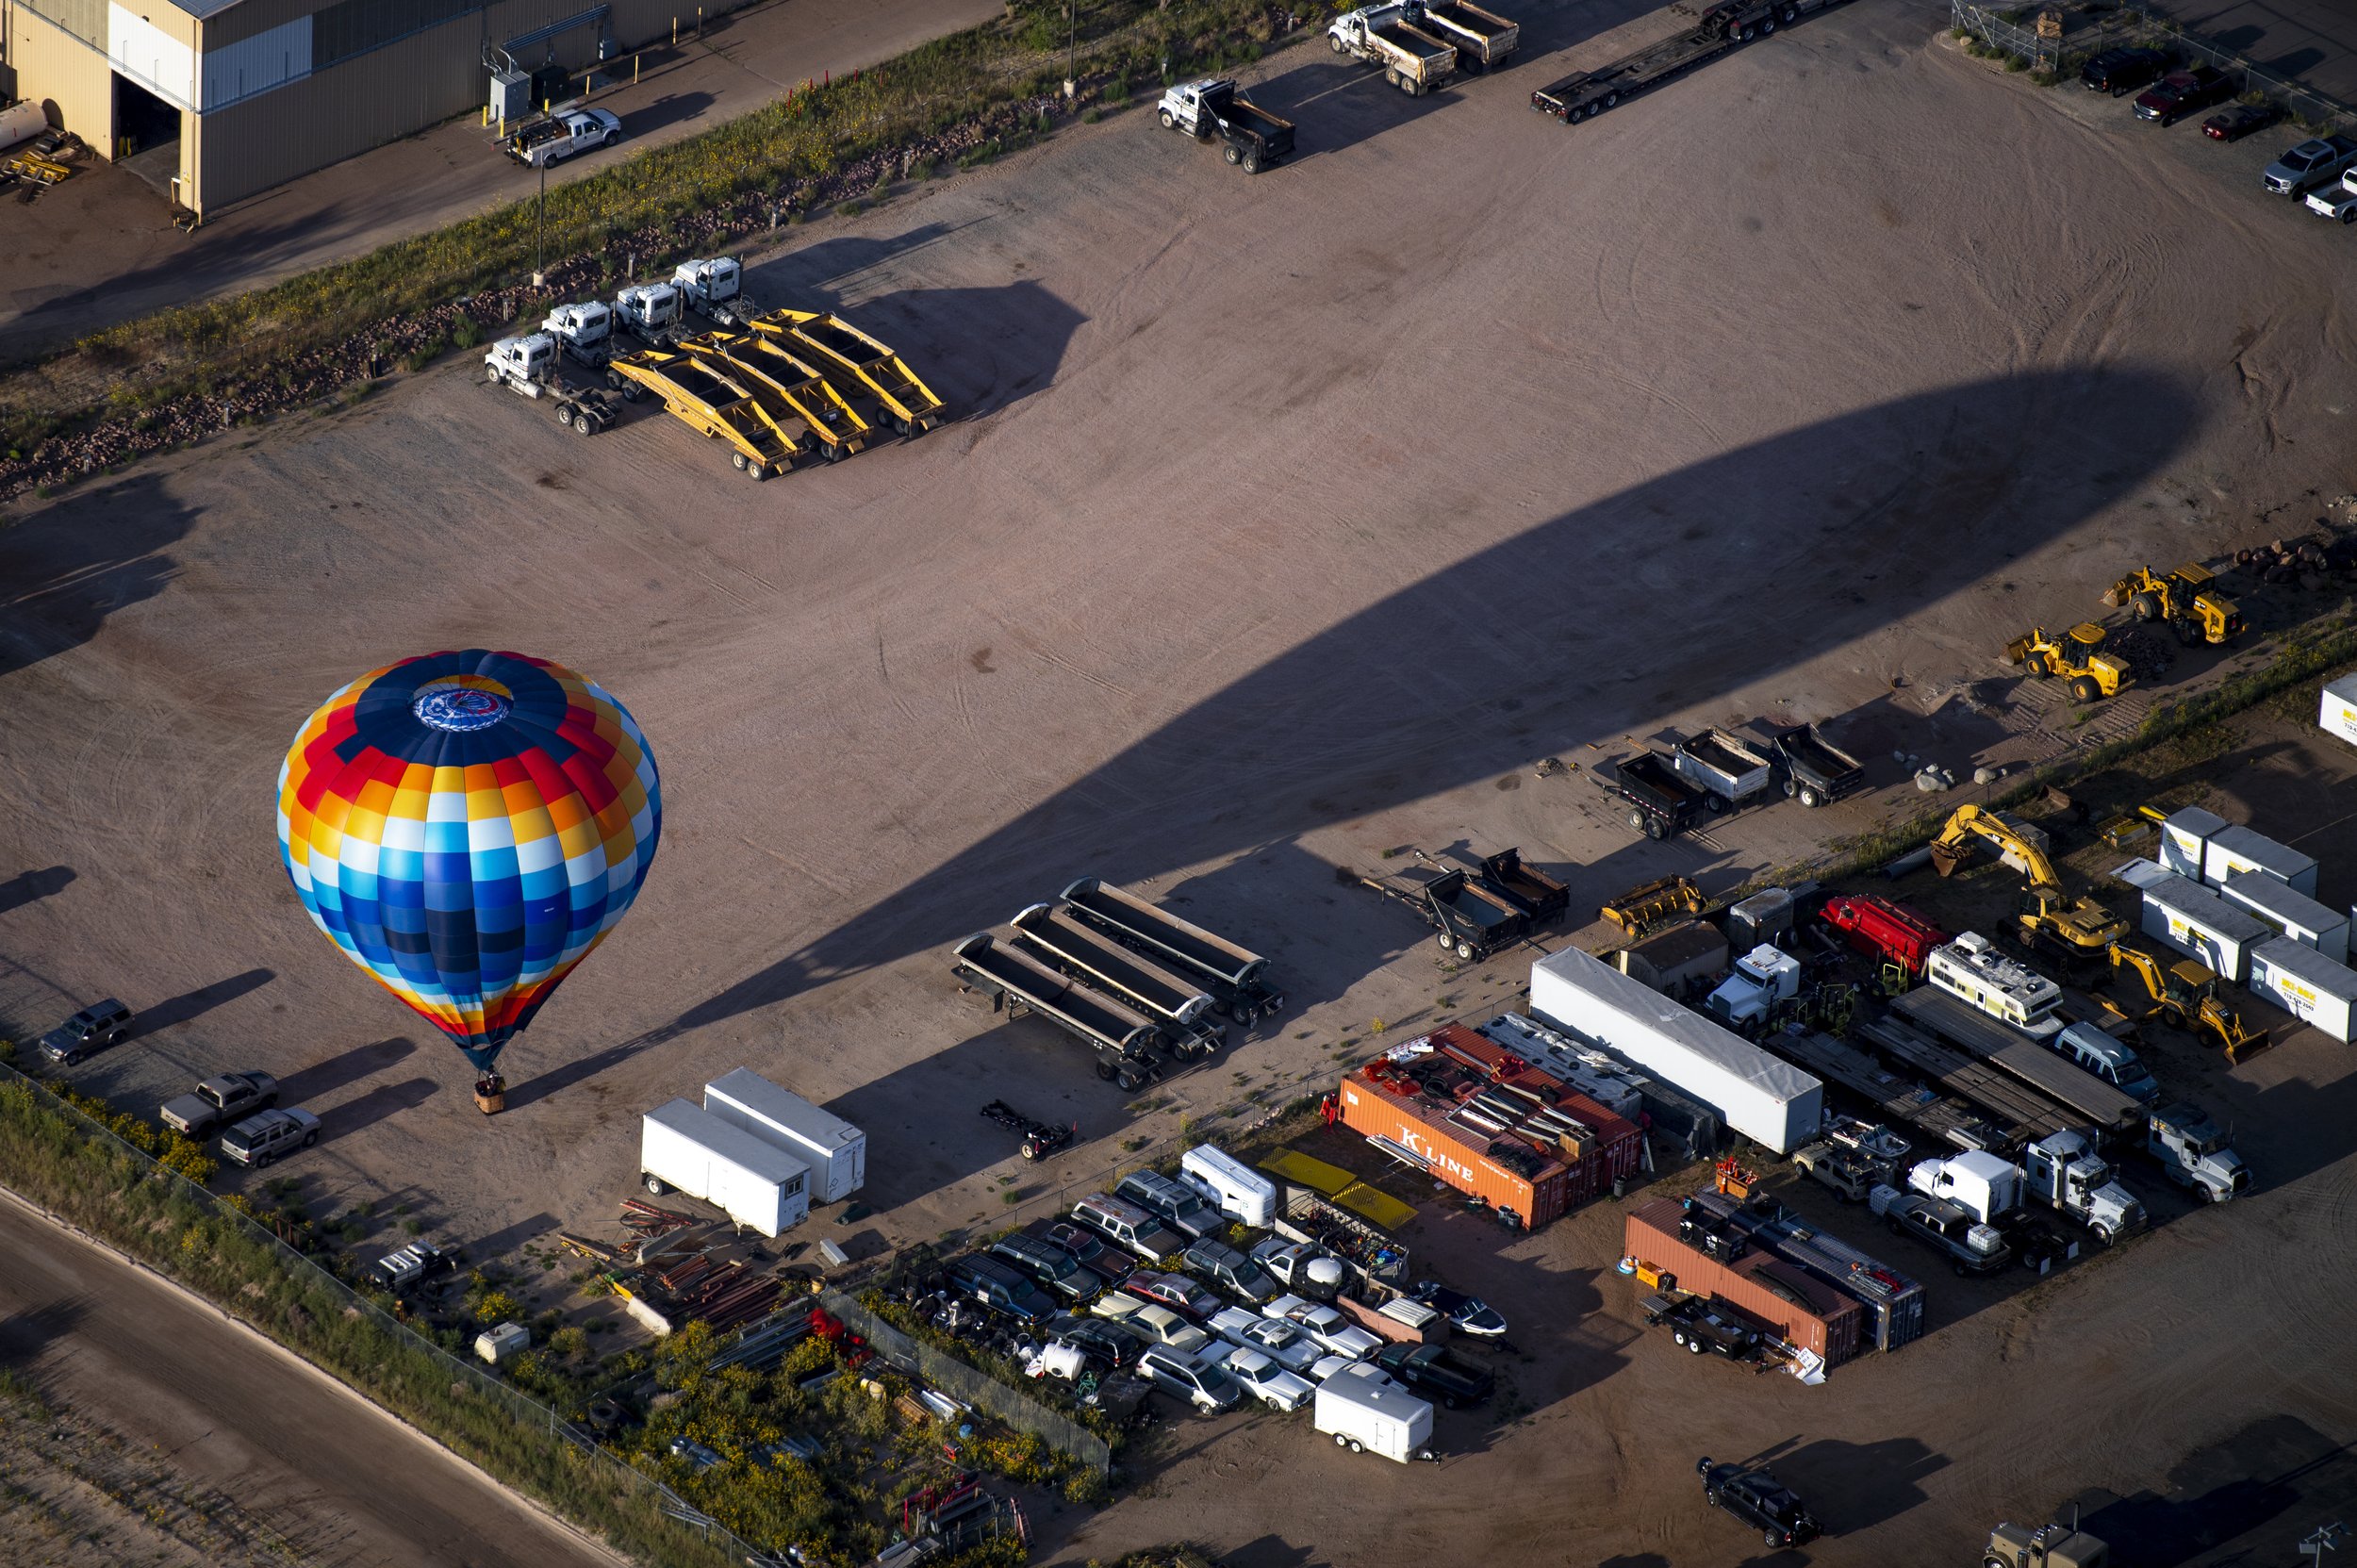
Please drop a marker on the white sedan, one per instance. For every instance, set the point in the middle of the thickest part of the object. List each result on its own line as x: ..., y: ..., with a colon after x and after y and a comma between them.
x: 1260, y: 1376
x: 1325, y: 1324
x: 1293, y: 1348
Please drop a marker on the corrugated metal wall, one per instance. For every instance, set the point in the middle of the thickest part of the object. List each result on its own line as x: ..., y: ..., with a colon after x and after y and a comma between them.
x: 70, y: 79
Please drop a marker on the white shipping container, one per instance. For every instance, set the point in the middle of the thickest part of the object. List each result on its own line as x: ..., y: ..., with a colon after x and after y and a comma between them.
x: 2338, y: 715
x: 756, y: 1185
x: 2290, y: 912
x: 2236, y: 848
x: 1365, y: 1411
x: 835, y: 1151
x: 1768, y: 1100
x: 2200, y: 924
x: 2312, y: 987
x: 1229, y: 1185
x: 2185, y: 838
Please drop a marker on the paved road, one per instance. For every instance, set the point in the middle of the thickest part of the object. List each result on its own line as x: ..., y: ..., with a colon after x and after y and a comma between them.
x: 344, y: 1483
x: 100, y: 249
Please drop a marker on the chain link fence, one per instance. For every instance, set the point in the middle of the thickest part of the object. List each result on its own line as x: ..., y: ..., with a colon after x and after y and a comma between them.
x: 2013, y: 31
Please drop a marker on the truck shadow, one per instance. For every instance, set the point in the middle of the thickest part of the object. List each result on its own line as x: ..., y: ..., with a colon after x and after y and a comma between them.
x: 1335, y: 105
x: 69, y: 569
x: 1874, y: 1482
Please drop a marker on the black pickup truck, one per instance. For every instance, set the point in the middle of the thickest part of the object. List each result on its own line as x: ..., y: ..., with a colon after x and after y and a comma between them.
x: 1659, y: 803
x: 1251, y: 138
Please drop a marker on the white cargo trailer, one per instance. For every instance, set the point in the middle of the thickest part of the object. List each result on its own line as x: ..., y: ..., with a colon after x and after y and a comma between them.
x: 2200, y: 924
x: 1768, y: 1100
x: 2185, y: 838
x: 2318, y: 990
x: 1229, y: 1185
x: 2338, y: 715
x: 2236, y: 848
x: 1365, y: 1411
x: 835, y: 1151
x: 2290, y: 912
x: 686, y: 1148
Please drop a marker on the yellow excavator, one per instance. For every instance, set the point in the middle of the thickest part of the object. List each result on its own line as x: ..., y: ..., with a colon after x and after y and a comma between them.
x: 2077, y: 655
x: 2050, y: 921
x: 2184, y: 599
x: 2185, y: 993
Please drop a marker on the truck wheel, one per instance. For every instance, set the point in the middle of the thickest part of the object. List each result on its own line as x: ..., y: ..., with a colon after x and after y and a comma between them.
x: 1790, y: 789
x: 1170, y: 121
x: 1677, y: 1337
x: 1390, y: 74
x: 1340, y: 1441
x: 1465, y: 951
x: 1251, y: 163
x: 1773, y: 1538
x: 1357, y: 1446
x: 1716, y: 802
x: 1637, y: 821
x: 583, y: 422
x: 657, y: 1187
x: 1655, y: 830
x: 1232, y: 155
x: 1416, y: 88
x: 1767, y: 27
x: 736, y: 460
x: 1694, y: 1346
x: 1746, y: 35
x: 1791, y: 14
x: 630, y: 392
x: 1810, y: 797
x: 1611, y: 99
x: 1128, y: 1081
x: 1105, y: 1072
x: 1336, y: 44
x: 2084, y: 689
x: 1958, y: 1266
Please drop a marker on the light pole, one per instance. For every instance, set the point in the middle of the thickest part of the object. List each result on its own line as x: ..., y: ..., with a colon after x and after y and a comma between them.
x: 540, y: 219
x: 1072, y: 52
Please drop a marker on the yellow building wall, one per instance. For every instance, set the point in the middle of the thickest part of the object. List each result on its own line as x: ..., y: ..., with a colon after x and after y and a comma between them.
x: 72, y: 81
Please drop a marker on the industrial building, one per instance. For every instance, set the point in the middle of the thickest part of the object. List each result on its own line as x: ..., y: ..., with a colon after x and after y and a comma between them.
x: 216, y: 100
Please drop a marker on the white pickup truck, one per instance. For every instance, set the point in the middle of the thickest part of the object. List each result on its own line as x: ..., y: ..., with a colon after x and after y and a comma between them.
x: 553, y: 137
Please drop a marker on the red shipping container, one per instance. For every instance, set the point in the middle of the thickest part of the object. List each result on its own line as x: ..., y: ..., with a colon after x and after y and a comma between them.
x: 1809, y: 1314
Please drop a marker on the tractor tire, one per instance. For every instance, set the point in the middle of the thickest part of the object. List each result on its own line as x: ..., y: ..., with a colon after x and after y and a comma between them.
x: 2145, y: 607
x: 2084, y: 689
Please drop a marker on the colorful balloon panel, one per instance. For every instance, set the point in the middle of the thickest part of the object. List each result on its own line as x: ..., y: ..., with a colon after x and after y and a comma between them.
x: 467, y: 827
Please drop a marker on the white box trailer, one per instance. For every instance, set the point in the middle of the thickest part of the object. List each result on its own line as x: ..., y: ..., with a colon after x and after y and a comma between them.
x: 1234, y: 1188
x: 686, y: 1149
x: 2338, y: 715
x: 835, y: 1151
x: 1768, y: 1100
x: 2235, y: 848
x: 2290, y: 912
x: 2200, y: 924
x: 2185, y: 838
x: 2318, y: 991
x: 1367, y: 1413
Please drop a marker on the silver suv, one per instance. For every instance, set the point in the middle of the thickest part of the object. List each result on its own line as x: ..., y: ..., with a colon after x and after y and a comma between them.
x: 1198, y: 1381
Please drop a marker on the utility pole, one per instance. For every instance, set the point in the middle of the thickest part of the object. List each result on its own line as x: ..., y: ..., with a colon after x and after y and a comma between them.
x: 540, y: 223
x: 2326, y: 1540
x: 1072, y: 53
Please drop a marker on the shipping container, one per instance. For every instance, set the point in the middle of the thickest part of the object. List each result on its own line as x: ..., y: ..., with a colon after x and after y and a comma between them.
x: 688, y: 1148
x: 1671, y: 960
x: 2200, y: 924
x: 2338, y: 715
x: 2236, y: 848
x: 1769, y: 1102
x: 1805, y: 1314
x: 2318, y: 991
x: 2185, y: 839
x: 835, y: 1151
x: 1893, y: 1301
x: 2289, y: 912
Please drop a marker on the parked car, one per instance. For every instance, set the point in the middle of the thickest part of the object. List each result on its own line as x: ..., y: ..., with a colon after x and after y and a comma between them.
x: 1432, y: 1371
x: 1259, y: 1374
x: 1328, y: 1365
x: 2181, y: 93
x: 263, y: 1137
x: 2118, y: 71
x: 1202, y: 1383
x: 1173, y: 1202
x: 86, y: 1034
x: 2309, y: 165
x: 1467, y: 1315
x: 2338, y: 202
x: 1086, y: 1247
x: 1292, y: 1264
x: 1100, y: 1342
x: 1697, y: 1326
x: 1056, y: 1270
x: 1231, y: 1271
x: 1000, y: 1288
x: 1154, y: 1325
x: 2234, y: 123
x: 219, y: 1102
x: 1759, y: 1500
x: 1327, y: 1325
x: 1176, y: 1291
x: 1292, y: 1349
x: 1129, y: 1227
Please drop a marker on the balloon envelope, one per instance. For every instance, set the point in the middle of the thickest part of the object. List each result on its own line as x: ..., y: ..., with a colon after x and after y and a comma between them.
x: 466, y: 826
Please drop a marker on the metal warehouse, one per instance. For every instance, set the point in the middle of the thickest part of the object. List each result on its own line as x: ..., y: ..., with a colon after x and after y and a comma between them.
x: 215, y: 100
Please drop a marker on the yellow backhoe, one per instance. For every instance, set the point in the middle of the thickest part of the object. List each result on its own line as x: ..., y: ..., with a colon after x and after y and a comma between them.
x: 2185, y: 993
x: 2184, y: 599
x: 2049, y: 921
x: 2077, y: 655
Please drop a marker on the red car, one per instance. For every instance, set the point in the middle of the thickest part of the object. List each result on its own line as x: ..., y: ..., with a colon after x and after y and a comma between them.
x: 2239, y: 122
x: 2181, y: 93
x: 1176, y: 1291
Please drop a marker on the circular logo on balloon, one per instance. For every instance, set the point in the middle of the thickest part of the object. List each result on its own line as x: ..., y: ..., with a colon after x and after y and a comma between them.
x: 460, y: 709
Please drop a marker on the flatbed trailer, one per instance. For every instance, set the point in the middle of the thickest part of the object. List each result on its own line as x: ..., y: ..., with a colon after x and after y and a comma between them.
x: 858, y: 365
x: 708, y: 400
x: 1890, y: 1096
x: 1236, y: 977
x: 1584, y: 94
x: 1121, y: 1040
x: 773, y: 373
x: 1180, y: 1008
x: 2025, y: 1115
x: 2104, y: 1107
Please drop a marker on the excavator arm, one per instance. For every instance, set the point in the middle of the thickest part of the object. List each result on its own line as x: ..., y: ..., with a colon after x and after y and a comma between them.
x: 2076, y: 928
x: 1953, y: 848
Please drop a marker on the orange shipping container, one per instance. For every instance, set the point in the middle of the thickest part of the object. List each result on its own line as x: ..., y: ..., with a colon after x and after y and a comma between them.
x: 1809, y: 1314
x: 1452, y: 1159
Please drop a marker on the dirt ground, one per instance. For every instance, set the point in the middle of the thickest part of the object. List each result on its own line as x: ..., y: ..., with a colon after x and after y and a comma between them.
x: 1286, y: 520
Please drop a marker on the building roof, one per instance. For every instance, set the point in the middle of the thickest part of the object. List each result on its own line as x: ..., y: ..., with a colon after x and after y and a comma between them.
x: 203, y: 9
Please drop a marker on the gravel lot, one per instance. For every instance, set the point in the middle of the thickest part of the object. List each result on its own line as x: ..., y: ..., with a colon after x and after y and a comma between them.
x: 1288, y: 521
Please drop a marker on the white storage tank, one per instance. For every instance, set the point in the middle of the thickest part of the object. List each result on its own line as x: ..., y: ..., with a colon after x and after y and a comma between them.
x: 2337, y: 717
x: 21, y: 122
x: 2200, y: 924
x: 2314, y: 989
x: 2290, y: 912
x: 2236, y: 848
x: 2185, y: 838
x: 835, y: 1151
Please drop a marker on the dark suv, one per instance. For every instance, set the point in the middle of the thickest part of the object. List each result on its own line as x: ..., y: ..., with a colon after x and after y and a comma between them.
x: 1430, y: 1370
x: 1698, y: 1325
x: 2181, y: 93
x: 1065, y: 1277
x: 2118, y: 71
x: 91, y: 1030
x: 999, y: 1287
x: 1759, y: 1500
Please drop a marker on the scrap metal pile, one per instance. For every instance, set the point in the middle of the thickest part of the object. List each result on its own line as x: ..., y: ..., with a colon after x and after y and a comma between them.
x: 673, y: 1264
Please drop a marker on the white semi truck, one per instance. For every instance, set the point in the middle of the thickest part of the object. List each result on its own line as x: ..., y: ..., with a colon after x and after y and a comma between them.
x: 2061, y: 1170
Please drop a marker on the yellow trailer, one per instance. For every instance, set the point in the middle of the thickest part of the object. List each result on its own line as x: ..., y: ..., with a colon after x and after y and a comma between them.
x: 857, y: 364
x: 767, y: 370
x: 709, y: 399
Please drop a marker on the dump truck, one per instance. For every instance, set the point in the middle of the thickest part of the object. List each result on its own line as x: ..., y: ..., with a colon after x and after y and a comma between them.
x: 1810, y: 768
x: 792, y: 391
x: 714, y: 403
x: 1727, y: 771
x: 1484, y: 41
x: 858, y: 366
x: 1121, y: 1040
x: 1180, y: 1007
x: 1238, y: 978
x: 2184, y: 599
x: 713, y: 288
x: 528, y: 367
x: 1658, y: 803
x: 1215, y: 108
x: 1412, y: 61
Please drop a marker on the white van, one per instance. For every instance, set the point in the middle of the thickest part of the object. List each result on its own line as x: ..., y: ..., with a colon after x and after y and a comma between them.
x: 1229, y: 1185
x: 2115, y: 1064
x: 1365, y: 1411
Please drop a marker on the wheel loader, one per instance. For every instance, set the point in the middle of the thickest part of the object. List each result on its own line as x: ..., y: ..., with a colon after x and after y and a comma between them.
x: 2077, y: 655
x: 2184, y: 599
x: 2185, y: 993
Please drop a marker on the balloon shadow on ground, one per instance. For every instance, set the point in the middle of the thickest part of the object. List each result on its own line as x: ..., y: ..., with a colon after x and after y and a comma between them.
x: 1648, y: 600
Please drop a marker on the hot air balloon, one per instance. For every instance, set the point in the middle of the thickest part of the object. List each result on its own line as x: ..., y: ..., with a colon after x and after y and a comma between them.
x: 467, y: 827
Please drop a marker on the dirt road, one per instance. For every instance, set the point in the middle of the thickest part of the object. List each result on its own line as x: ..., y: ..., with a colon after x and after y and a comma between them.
x: 1285, y: 520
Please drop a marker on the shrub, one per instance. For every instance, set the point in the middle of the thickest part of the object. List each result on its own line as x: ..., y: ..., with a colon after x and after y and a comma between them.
x: 496, y: 1306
